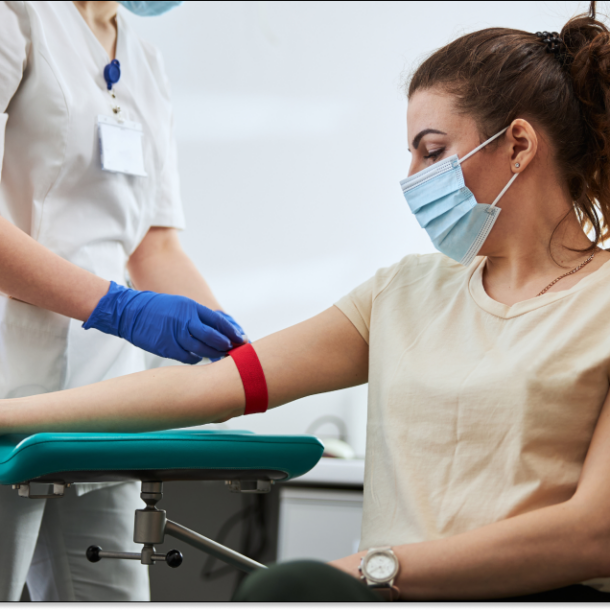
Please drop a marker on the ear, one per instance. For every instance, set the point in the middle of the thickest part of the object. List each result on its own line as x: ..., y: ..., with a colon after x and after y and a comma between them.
x: 523, y: 144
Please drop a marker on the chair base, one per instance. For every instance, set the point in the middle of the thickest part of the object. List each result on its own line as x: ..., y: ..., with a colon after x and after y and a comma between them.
x: 151, y: 527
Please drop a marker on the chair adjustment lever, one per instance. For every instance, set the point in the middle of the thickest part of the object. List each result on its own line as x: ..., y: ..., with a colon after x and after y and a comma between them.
x: 148, y: 556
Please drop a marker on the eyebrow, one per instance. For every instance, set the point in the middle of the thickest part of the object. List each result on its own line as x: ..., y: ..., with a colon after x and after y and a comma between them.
x: 423, y: 133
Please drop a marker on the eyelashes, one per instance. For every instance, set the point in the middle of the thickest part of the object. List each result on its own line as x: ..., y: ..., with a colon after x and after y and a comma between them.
x: 435, y: 154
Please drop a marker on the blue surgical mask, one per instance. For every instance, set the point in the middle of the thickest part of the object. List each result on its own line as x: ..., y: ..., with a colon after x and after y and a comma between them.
x: 149, y: 9
x: 457, y: 225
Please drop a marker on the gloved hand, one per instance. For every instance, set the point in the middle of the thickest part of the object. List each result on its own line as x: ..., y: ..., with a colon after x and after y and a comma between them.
x: 166, y: 325
x: 238, y: 328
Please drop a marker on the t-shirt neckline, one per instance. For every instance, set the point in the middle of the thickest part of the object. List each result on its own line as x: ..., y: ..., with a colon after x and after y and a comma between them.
x: 484, y: 301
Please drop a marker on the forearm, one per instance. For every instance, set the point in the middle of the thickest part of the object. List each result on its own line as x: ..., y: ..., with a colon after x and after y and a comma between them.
x: 160, y: 265
x: 539, y: 551
x: 542, y: 550
x: 160, y: 399
x: 547, y: 549
x: 320, y: 355
x: 31, y: 273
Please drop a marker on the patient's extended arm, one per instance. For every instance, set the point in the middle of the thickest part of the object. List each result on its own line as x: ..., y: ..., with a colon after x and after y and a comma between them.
x: 322, y: 354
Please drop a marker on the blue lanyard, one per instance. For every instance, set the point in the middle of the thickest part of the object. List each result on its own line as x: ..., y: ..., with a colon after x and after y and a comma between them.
x: 112, y: 73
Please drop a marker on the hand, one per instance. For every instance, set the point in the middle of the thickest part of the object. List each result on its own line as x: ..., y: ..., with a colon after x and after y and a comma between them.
x: 350, y: 564
x: 166, y: 325
x: 238, y: 328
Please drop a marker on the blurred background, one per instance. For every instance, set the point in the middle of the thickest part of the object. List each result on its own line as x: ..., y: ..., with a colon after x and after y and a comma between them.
x: 291, y: 132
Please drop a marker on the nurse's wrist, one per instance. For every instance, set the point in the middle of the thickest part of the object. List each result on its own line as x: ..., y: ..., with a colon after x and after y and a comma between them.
x: 95, y: 290
x: 106, y: 315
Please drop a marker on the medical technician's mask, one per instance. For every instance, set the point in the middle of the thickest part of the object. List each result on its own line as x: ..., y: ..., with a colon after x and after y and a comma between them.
x: 457, y: 225
x: 149, y: 9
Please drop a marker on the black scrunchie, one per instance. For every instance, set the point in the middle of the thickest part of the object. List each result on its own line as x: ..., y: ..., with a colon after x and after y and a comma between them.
x: 554, y: 44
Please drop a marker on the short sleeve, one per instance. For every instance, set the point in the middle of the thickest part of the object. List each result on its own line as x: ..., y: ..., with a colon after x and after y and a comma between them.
x: 3, y: 118
x: 14, y: 49
x: 169, y: 211
x: 358, y: 304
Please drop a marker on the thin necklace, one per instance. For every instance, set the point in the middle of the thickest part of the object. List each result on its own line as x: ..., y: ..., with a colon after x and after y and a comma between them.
x: 570, y: 273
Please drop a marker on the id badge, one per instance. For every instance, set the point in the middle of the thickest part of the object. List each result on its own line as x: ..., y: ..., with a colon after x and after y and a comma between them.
x: 121, y: 148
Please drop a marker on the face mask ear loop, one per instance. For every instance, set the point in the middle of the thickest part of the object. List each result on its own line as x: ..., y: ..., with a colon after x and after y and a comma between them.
x: 476, y: 150
x: 510, y: 182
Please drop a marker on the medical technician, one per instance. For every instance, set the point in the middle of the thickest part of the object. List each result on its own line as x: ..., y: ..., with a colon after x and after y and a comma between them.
x: 89, y: 189
x: 488, y: 363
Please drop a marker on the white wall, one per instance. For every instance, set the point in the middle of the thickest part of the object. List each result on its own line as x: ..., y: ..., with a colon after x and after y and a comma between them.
x: 291, y: 134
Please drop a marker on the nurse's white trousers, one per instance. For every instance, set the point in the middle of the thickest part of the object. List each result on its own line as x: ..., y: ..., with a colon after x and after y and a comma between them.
x: 44, y: 541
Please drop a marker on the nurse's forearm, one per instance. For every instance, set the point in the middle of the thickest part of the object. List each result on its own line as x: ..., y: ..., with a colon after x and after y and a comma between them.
x: 31, y: 273
x: 161, y: 265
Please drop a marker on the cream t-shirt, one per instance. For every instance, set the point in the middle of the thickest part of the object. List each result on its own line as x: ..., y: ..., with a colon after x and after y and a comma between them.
x: 477, y: 411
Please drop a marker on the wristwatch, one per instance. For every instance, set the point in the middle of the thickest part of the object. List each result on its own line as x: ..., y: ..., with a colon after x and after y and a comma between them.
x: 379, y: 568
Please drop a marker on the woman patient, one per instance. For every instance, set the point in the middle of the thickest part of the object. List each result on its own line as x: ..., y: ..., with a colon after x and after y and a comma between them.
x: 488, y: 364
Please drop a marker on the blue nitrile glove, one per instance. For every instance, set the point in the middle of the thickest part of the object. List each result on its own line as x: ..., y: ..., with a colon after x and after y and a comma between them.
x: 238, y: 328
x: 166, y: 325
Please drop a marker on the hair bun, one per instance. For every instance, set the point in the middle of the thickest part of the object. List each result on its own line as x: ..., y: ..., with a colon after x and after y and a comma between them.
x: 588, y: 41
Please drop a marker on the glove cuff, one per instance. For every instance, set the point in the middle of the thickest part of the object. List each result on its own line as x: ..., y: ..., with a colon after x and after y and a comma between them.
x: 106, y: 316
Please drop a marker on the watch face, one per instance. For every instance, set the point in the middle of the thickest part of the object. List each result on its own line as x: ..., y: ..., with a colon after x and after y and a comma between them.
x: 381, y: 567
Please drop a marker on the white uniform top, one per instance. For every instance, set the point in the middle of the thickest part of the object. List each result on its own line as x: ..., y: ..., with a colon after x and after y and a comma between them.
x: 52, y: 186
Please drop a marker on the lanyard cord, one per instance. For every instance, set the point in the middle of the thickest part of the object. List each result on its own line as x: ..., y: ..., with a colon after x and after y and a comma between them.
x: 112, y: 75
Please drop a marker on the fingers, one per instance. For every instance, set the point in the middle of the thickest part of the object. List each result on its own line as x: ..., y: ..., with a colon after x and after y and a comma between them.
x: 221, y: 324
x: 209, y: 336
x: 200, y: 349
x: 240, y: 331
x: 189, y: 358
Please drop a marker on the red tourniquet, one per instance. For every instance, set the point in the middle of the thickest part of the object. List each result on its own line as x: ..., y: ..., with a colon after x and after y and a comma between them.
x: 253, y: 378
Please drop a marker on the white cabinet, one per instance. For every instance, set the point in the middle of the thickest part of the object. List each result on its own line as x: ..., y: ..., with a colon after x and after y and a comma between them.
x: 317, y: 523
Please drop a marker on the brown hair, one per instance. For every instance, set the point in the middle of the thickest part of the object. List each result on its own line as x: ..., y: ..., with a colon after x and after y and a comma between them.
x: 499, y: 75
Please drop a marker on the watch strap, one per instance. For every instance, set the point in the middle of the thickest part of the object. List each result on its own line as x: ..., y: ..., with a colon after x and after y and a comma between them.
x: 388, y: 594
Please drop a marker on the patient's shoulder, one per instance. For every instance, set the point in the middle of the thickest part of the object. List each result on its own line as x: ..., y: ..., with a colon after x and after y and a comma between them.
x: 410, y: 283
x: 423, y: 271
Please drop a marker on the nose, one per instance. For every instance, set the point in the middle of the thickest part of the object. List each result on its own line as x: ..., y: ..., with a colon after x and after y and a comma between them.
x: 414, y: 166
